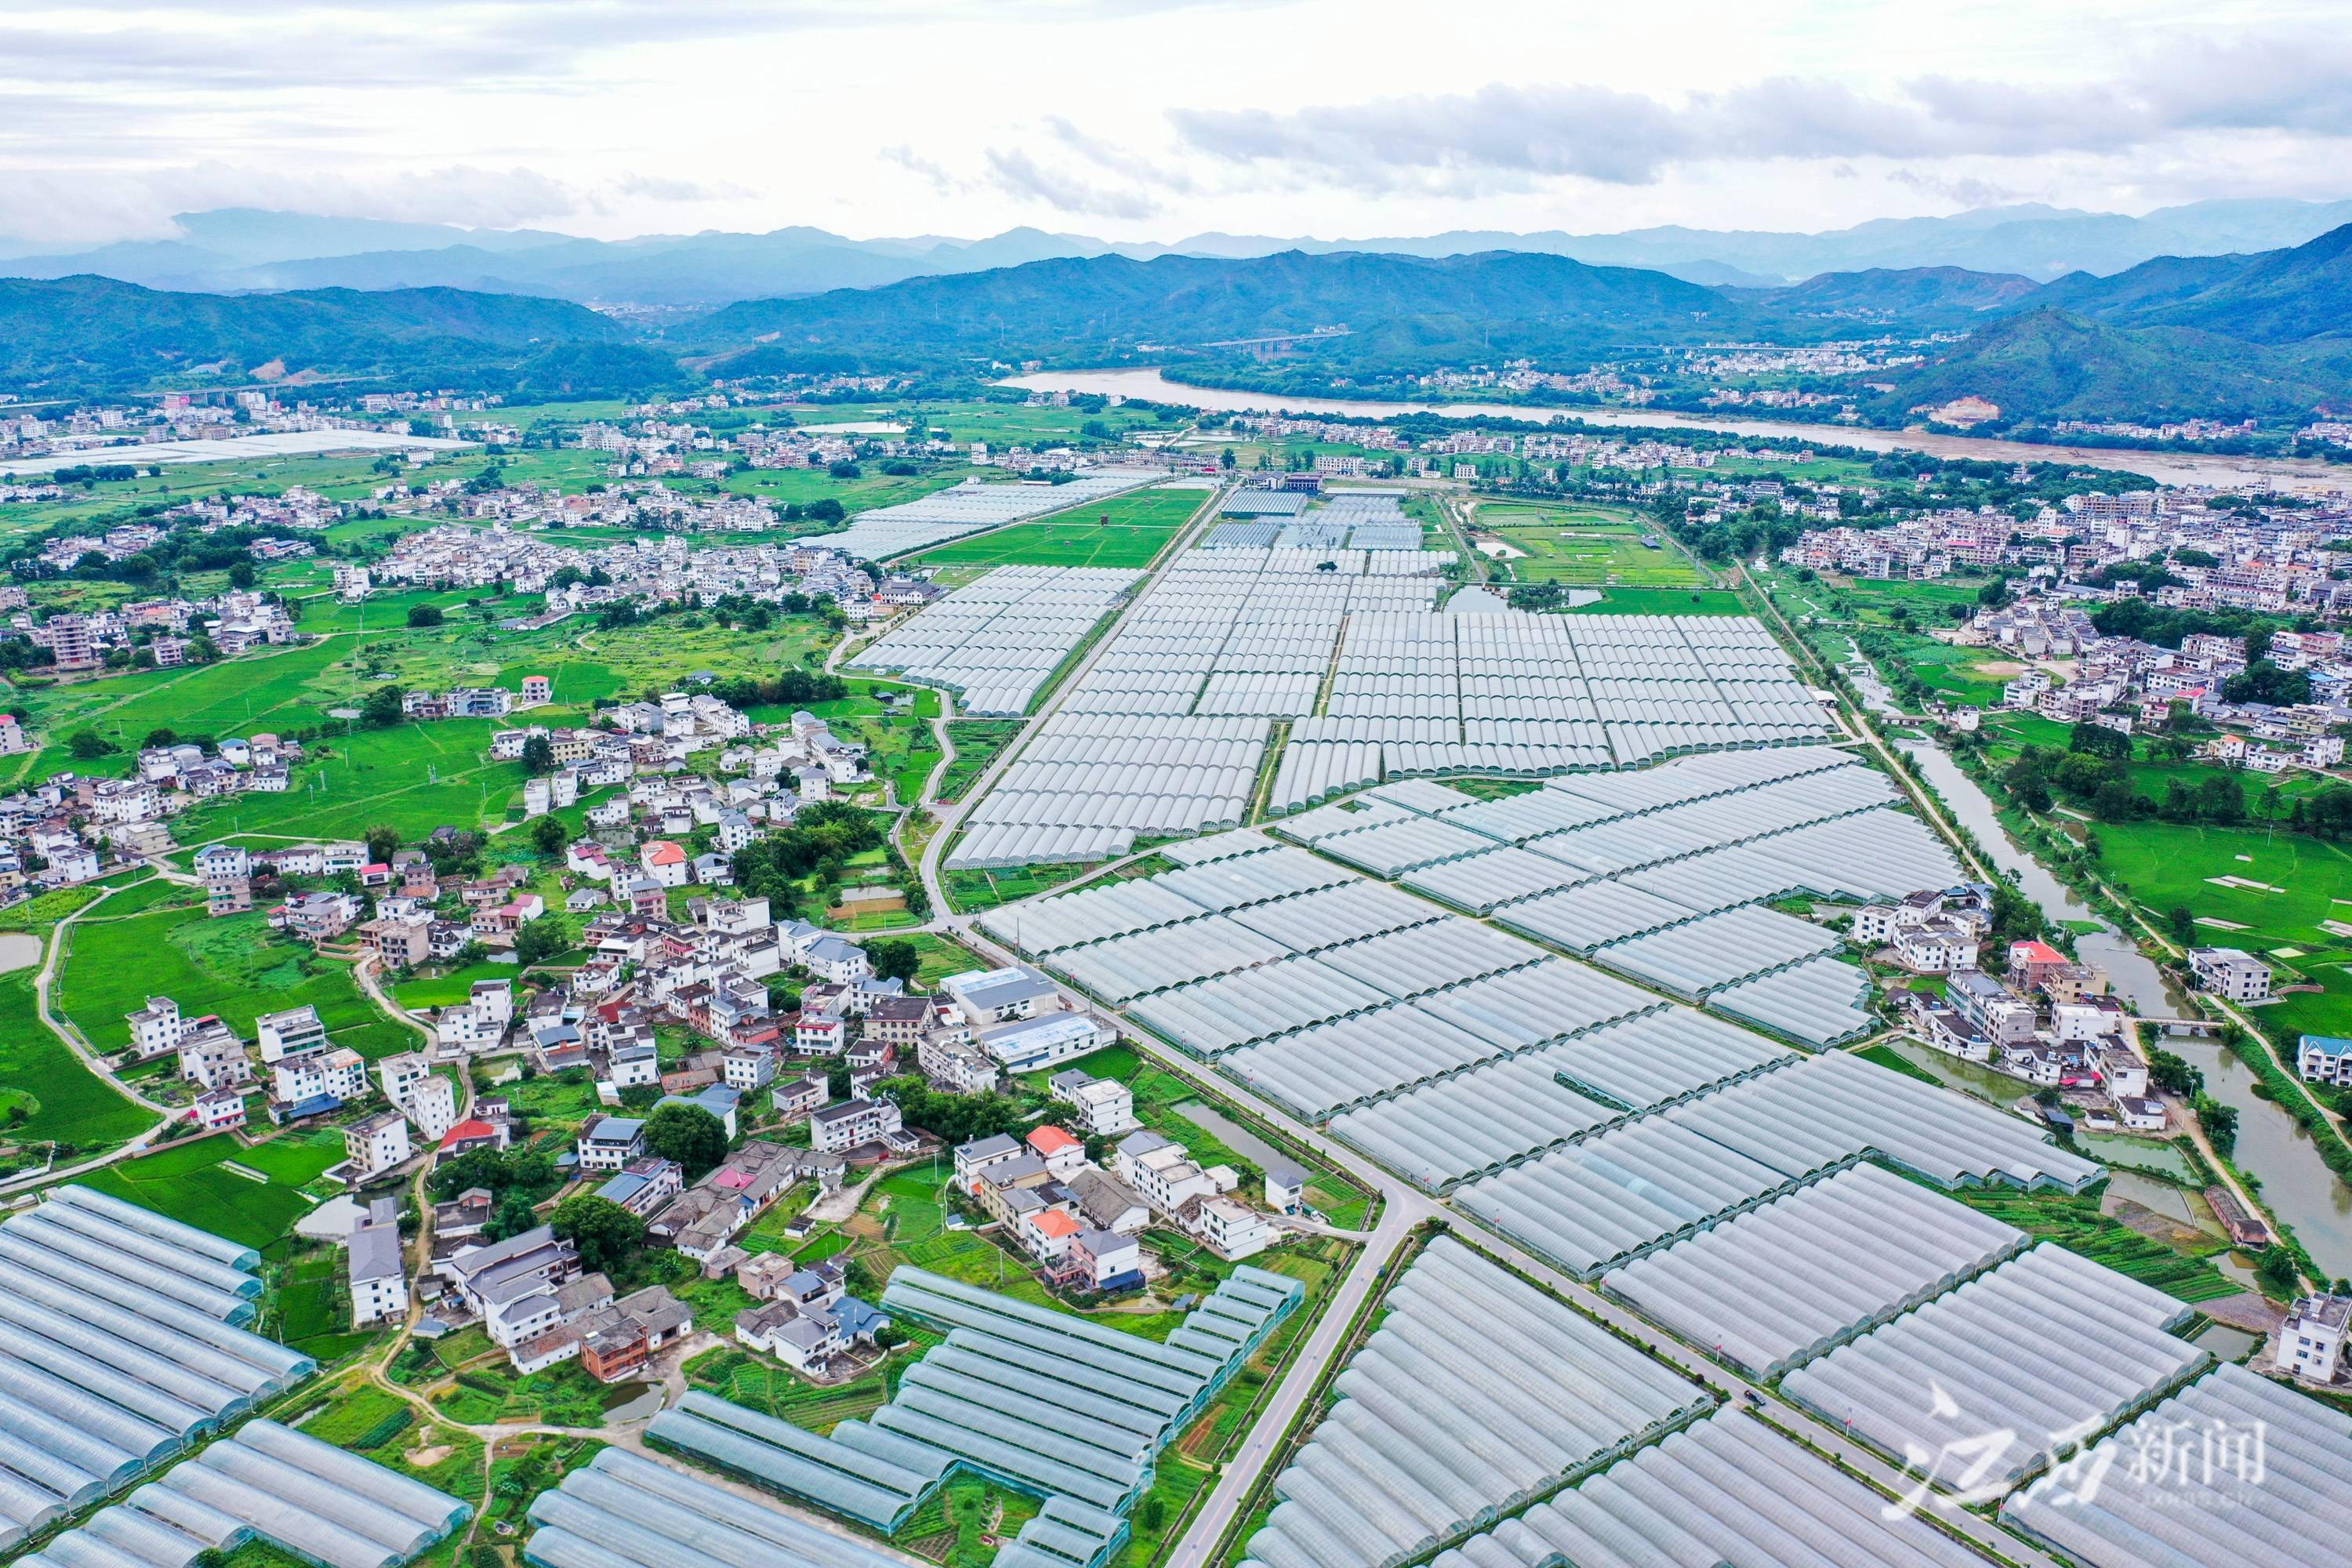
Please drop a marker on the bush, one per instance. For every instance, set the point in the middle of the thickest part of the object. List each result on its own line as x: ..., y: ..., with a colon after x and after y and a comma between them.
x: 385, y: 1430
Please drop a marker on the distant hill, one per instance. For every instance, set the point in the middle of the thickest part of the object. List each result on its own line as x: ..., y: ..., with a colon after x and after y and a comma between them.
x: 2281, y: 296
x: 237, y: 249
x: 1491, y: 304
x: 1914, y: 295
x: 2048, y: 365
x: 96, y: 334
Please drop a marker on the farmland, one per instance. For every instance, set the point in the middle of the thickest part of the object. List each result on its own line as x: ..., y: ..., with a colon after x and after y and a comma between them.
x: 1129, y: 531
x: 1583, y: 546
x: 234, y: 967
x: 192, y: 1181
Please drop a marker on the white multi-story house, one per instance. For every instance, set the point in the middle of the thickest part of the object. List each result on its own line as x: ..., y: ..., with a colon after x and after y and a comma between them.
x: 610, y: 1143
x: 1104, y: 1106
x: 379, y: 1276
x: 2311, y: 1341
x: 156, y: 1029
x: 2230, y: 973
x: 338, y: 1073
x: 291, y: 1033
x: 851, y: 1123
x: 376, y: 1143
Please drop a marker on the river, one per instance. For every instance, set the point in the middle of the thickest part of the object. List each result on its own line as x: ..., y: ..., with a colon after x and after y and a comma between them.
x: 2273, y: 1146
x: 2166, y: 468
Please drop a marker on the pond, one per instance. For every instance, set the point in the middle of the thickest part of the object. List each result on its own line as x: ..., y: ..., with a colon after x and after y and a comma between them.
x: 18, y: 949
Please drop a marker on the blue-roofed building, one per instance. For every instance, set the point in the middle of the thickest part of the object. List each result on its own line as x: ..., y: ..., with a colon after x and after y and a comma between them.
x: 719, y: 1099
x: 2324, y: 1058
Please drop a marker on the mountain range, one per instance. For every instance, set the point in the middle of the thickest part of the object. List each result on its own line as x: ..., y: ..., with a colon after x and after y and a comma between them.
x: 2263, y: 334
x: 243, y: 249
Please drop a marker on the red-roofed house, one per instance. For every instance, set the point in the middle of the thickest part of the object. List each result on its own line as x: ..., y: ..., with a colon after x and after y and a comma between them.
x: 469, y: 1135
x: 2034, y: 962
x: 1062, y: 1155
x: 665, y: 862
x: 1047, y: 1235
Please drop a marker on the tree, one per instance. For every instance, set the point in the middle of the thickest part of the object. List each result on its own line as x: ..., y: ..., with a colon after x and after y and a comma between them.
x: 382, y: 842
x: 604, y: 1232
x: 381, y: 709
x: 241, y: 575
x: 548, y: 836
x: 85, y: 744
x: 538, y: 756
x: 159, y: 737
x: 895, y: 959
x: 540, y: 940
x: 2277, y: 1272
x: 687, y: 1134
x: 2098, y: 741
x: 422, y: 616
x: 513, y: 1216
x: 2220, y: 1122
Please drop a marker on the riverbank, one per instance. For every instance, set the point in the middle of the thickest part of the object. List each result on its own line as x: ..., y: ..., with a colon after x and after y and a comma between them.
x: 2165, y: 468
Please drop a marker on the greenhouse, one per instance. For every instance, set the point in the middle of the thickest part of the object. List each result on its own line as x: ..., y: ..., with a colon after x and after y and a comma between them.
x: 996, y: 641
x: 1478, y: 1393
x: 625, y: 1511
x: 2274, y: 1493
x: 2046, y: 1348
x: 1784, y: 1282
x: 106, y: 1375
x: 1727, y: 1490
x: 271, y: 1484
x: 973, y: 506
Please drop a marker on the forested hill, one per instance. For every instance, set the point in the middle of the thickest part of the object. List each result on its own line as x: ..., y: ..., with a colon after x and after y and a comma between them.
x: 86, y: 333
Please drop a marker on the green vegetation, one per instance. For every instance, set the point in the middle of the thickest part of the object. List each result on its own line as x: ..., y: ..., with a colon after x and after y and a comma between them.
x: 2076, y: 1224
x: 46, y: 1092
x: 977, y: 742
x: 203, y: 1181
x: 235, y: 966
x: 1584, y: 545
x: 973, y: 890
x: 1124, y: 531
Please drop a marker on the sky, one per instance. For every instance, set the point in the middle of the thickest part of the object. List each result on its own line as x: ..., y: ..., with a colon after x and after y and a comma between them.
x: 1156, y: 119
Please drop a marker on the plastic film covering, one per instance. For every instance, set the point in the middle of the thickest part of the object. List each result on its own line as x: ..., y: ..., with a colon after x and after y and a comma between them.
x: 2282, y: 1506
x: 1802, y: 1274
x: 305, y: 1497
x: 1817, y: 1002
x: 1478, y: 1391
x: 626, y: 1512
x: 2042, y: 1351
x: 1727, y: 1490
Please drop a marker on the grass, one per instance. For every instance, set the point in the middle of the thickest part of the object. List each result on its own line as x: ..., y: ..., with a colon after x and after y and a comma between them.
x: 447, y: 990
x: 1894, y: 1061
x: 1632, y: 601
x: 971, y: 890
x: 1587, y: 546
x: 978, y: 743
x: 63, y: 1102
x: 189, y: 1182
x: 1128, y: 530
x: 236, y: 967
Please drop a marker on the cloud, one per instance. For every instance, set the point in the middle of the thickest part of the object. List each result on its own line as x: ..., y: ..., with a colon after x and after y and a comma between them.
x: 51, y: 210
x: 664, y: 188
x: 1962, y: 190
x: 1017, y: 175
x: 1503, y: 131
x: 914, y: 163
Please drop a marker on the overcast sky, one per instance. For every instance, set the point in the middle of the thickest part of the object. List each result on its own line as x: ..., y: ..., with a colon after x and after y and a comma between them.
x: 1156, y: 119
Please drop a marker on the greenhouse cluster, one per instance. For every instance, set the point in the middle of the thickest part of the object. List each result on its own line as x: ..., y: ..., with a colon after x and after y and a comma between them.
x: 2282, y: 1465
x: 1478, y: 1393
x: 622, y: 1511
x: 972, y: 506
x: 269, y: 1484
x: 2045, y: 1349
x: 119, y: 1345
x: 995, y: 641
x: 1350, y: 645
x: 1786, y: 1282
x: 1727, y: 1490
x: 1044, y: 1401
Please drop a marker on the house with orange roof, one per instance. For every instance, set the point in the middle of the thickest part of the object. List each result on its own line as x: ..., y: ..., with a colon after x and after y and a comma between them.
x: 665, y: 862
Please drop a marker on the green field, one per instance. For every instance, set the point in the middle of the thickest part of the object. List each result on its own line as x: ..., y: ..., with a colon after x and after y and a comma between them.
x: 1624, y: 601
x: 1585, y: 546
x: 978, y: 743
x: 190, y: 1182
x: 236, y: 967
x: 1124, y: 531
x: 62, y: 1100
x: 2165, y: 865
